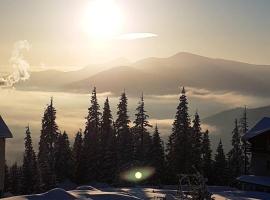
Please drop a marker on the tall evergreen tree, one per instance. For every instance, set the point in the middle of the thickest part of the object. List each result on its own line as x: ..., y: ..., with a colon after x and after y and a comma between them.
x: 142, y: 136
x: 220, y: 166
x: 46, y: 157
x: 245, y: 144
x: 77, y: 158
x: 179, y: 145
x: 91, y: 140
x: 63, y: 158
x: 207, y: 168
x: 108, y: 149
x: 158, y: 158
x: 196, y: 142
x: 30, y: 172
x: 124, y: 135
x: 235, y: 155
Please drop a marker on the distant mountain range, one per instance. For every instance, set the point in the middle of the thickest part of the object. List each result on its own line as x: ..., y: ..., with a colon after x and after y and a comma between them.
x: 158, y: 76
x: 224, y: 123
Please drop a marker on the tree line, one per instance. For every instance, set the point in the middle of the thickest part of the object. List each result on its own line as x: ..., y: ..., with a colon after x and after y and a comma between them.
x: 106, y: 148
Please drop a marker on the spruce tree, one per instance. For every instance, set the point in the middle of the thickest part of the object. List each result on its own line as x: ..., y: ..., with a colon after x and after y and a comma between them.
x: 141, y: 134
x: 245, y: 144
x: 91, y: 140
x: 63, y: 159
x: 196, y: 142
x: 207, y: 168
x: 179, y: 148
x: 220, y: 166
x: 46, y: 157
x: 30, y: 172
x: 77, y: 158
x: 235, y: 155
x: 108, y: 149
x: 15, y: 179
x: 124, y: 135
x: 158, y: 158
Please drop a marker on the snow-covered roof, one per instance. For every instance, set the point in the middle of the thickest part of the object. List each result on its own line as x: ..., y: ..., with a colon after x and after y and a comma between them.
x: 4, y: 130
x: 261, y: 127
x: 258, y: 180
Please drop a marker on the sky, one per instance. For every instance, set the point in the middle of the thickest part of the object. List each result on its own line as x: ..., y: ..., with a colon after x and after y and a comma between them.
x: 236, y: 30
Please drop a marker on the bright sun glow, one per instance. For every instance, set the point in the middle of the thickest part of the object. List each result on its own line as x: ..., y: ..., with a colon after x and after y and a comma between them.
x: 138, y: 175
x: 102, y: 19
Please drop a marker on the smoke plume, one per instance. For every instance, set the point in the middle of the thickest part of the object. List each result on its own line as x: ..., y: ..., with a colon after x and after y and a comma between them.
x: 19, y: 64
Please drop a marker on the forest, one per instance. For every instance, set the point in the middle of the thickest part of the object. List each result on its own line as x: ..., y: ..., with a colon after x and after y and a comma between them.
x: 107, y: 148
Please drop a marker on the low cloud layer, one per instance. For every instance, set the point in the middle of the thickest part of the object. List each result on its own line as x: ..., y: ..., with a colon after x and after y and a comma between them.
x: 19, y: 64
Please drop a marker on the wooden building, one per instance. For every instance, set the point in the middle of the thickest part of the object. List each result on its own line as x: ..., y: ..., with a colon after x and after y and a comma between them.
x: 4, y: 133
x: 259, y: 139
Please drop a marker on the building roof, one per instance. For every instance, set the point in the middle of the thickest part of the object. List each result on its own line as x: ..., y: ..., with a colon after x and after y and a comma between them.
x: 4, y: 130
x: 258, y: 180
x: 261, y: 127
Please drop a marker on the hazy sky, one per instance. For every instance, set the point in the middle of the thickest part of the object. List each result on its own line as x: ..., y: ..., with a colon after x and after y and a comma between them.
x: 238, y: 30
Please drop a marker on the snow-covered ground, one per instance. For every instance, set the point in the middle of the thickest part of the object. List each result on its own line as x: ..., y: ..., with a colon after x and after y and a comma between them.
x: 135, y: 193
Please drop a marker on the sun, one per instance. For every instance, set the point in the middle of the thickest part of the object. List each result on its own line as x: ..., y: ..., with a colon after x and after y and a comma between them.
x: 102, y: 19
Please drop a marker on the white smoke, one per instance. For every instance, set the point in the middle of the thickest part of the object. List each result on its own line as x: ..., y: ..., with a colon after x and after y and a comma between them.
x: 19, y: 64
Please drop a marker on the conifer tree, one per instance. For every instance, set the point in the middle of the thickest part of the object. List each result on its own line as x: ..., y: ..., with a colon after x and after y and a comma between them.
x: 245, y: 144
x: 108, y: 149
x: 124, y: 135
x: 179, y: 145
x: 235, y: 155
x: 46, y: 157
x: 220, y: 166
x: 158, y: 158
x: 15, y: 179
x: 196, y: 142
x: 77, y: 158
x: 207, y: 157
x: 141, y: 134
x: 30, y: 172
x: 63, y: 159
x: 91, y: 140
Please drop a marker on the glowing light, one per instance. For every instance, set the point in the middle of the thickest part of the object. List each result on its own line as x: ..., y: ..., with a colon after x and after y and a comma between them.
x: 102, y: 19
x: 138, y: 175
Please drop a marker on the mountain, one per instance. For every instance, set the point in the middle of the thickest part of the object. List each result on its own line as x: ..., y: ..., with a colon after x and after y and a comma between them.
x: 222, y: 123
x: 161, y: 76
x: 59, y: 79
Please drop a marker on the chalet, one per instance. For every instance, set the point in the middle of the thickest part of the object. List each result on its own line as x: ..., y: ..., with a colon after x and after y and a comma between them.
x: 258, y: 138
x: 4, y: 133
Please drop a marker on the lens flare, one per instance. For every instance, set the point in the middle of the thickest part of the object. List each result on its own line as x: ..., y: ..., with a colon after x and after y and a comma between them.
x: 137, y: 174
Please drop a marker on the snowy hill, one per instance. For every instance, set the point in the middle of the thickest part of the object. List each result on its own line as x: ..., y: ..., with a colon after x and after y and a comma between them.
x: 220, y: 193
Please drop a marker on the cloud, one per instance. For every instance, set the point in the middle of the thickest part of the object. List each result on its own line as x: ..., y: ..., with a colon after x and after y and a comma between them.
x: 224, y: 97
x: 19, y: 64
x: 134, y: 36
